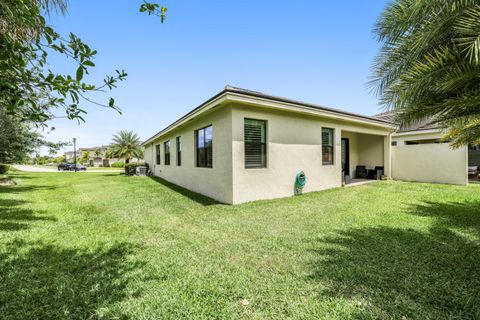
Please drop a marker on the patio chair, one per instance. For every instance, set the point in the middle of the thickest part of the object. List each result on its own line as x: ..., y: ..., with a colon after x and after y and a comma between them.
x: 473, y: 171
x: 379, y: 172
x: 361, y: 172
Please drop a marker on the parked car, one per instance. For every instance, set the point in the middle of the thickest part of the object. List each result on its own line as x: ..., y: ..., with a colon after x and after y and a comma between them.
x: 79, y: 167
x: 64, y: 166
x: 67, y: 166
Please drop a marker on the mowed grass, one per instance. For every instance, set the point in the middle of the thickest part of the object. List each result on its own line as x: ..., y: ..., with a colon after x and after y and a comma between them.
x: 87, y: 246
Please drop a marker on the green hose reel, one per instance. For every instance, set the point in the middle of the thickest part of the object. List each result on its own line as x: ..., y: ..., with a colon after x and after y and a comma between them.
x: 300, y: 181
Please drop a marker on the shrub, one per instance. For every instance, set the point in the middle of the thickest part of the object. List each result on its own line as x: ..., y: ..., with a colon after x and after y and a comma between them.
x: 118, y: 164
x: 4, y: 168
x: 130, y: 168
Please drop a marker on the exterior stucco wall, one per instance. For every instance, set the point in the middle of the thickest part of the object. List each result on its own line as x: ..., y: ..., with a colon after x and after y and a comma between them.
x: 294, y: 145
x: 215, y: 182
x: 370, y: 150
x: 414, y: 136
x: 431, y: 162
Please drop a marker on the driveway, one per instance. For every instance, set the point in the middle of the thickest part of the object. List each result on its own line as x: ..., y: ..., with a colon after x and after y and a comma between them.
x: 22, y: 167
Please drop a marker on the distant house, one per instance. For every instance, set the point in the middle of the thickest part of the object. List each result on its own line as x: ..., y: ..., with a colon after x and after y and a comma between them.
x: 95, y: 160
x: 242, y: 145
x: 419, y: 154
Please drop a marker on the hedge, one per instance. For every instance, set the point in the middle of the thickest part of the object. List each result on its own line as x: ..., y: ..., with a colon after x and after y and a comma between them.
x: 4, y: 168
x: 118, y: 164
x: 130, y: 168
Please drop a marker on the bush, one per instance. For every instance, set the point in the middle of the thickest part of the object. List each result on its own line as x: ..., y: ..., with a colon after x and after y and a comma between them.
x: 118, y: 164
x: 4, y: 168
x: 130, y: 168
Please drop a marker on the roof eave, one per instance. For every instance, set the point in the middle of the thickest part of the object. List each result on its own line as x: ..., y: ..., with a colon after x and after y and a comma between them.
x: 233, y: 95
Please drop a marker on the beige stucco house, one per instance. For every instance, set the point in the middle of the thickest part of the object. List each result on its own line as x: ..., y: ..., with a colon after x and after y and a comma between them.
x: 242, y: 145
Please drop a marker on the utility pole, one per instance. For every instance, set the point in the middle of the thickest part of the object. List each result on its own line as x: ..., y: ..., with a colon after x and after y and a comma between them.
x: 75, y: 153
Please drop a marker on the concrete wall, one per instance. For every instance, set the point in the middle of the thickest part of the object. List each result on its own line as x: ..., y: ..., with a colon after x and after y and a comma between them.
x: 434, y: 162
x: 213, y: 182
x: 370, y: 150
x: 417, y: 135
x: 294, y: 145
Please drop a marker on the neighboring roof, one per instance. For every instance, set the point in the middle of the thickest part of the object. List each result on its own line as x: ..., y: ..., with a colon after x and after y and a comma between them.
x: 255, y: 94
x: 426, y: 124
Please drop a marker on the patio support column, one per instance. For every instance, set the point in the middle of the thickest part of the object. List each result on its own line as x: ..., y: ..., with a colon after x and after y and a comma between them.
x: 387, y: 155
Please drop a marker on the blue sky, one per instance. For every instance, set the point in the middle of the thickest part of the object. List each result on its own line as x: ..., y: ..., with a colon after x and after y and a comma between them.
x: 315, y: 51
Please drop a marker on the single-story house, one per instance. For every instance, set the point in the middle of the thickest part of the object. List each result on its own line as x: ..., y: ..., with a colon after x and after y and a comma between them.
x: 242, y: 145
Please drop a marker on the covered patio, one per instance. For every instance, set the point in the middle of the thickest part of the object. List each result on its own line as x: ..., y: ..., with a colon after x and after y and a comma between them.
x: 365, y: 157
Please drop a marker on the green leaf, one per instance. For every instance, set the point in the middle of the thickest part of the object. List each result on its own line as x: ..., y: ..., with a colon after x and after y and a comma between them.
x: 89, y: 63
x: 79, y: 74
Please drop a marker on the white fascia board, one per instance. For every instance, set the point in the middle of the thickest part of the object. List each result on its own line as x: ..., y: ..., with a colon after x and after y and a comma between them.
x: 190, y: 116
x: 305, y: 109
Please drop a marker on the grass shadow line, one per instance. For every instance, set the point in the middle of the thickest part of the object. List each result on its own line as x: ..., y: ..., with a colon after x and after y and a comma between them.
x: 194, y: 196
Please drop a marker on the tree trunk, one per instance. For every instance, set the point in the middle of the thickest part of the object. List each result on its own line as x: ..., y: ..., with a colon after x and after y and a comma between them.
x: 127, y: 161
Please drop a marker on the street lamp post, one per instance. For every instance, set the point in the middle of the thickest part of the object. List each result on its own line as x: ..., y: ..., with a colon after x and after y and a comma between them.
x: 75, y: 153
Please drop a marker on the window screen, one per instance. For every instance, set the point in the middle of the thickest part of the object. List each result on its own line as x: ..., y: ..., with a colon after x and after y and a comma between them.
x: 179, y: 151
x: 255, y: 143
x: 157, y: 152
x: 166, y: 151
x: 204, y: 147
x: 327, y: 146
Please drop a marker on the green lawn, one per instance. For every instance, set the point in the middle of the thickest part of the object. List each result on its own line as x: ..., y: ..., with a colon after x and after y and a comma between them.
x: 82, y: 246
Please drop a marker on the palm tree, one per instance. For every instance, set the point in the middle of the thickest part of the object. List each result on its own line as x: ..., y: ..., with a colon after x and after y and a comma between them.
x: 125, y: 145
x: 85, y: 157
x: 429, y: 64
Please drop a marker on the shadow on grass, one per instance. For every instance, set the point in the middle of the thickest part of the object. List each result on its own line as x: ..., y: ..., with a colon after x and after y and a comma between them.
x: 201, y: 199
x: 41, y: 281
x: 13, y: 217
x: 394, y: 273
x: 463, y: 215
x: 20, y: 189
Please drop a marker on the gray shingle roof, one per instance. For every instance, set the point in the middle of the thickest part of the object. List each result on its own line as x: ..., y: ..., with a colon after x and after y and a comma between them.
x: 426, y: 124
x: 232, y: 89
x: 311, y: 105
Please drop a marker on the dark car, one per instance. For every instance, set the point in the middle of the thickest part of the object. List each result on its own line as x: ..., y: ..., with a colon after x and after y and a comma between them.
x: 67, y: 166
x: 64, y: 166
x: 79, y: 167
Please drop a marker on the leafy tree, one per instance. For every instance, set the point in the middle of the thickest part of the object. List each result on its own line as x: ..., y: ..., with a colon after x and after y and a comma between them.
x: 125, y: 145
x: 18, y: 139
x: 60, y: 159
x: 97, y: 152
x: 29, y: 89
x: 429, y: 64
x: 30, y: 92
x: 85, y: 157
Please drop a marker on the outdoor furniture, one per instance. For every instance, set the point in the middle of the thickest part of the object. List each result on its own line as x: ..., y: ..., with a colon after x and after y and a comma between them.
x: 473, y: 171
x: 371, y: 174
x: 361, y: 172
x: 378, y: 172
